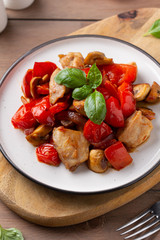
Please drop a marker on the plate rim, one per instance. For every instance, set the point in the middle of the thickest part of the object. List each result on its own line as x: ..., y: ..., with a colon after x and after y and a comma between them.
x: 51, y: 42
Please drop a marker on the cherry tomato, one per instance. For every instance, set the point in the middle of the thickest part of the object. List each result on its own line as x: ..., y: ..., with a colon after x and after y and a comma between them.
x: 106, y: 142
x: 118, y: 156
x: 43, y: 89
x: 111, y: 89
x: 119, y: 73
x: 106, y: 94
x: 46, y: 153
x: 23, y: 118
x: 41, y: 111
x: 94, y: 132
x: 114, y: 115
x: 125, y: 87
x: 40, y: 69
x: 26, y: 83
x: 128, y: 103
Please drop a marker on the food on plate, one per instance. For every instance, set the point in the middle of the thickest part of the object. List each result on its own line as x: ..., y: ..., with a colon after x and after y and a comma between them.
x: 85, y: 112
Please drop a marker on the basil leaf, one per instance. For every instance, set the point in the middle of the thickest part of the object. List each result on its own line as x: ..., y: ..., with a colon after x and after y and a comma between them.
x: 95, y: 107
x: 10, y: 234
x: 155, y: 29
x: 94, y: 76
x: 82, y: 92
x: 71, y: 77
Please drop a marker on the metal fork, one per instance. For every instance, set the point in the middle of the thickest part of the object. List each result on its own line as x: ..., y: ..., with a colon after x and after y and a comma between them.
x: 151, y: 216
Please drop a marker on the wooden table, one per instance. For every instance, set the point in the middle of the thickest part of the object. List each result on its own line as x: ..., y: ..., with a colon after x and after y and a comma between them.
x: 53, y: 19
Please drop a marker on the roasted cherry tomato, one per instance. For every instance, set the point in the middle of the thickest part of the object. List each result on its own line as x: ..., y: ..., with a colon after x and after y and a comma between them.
x: 46, y: 153
x: 23, y: 118
x: 118, y: 156
x: 41, y: 112
x: 26, y: 83
x: 106, y: 142
x: 94, y: 132
x: 114, y: 115
x: 119, y: 73
x: 125, y: 86
x: 43, y: 89
x: 128, y: 103
x: 42, y: 68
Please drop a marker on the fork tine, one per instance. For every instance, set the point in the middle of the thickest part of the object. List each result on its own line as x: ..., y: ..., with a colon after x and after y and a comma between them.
x: 134, y: 220
x: 143, y: 229
x: 154, y: 230
x: 138, y: 225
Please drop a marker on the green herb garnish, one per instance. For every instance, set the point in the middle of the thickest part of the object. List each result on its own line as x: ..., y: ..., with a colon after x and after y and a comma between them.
x: 154, y: 30
x: 10, y: 234
x: 95, y: 106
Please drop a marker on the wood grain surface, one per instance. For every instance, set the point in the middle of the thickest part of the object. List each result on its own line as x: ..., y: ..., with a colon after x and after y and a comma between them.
x: 26, y: 198
x: 24, y: 32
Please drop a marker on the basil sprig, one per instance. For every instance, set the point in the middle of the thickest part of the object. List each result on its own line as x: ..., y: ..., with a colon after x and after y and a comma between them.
x: 95, y: 106
x: 10, y: 234
x: 71, y: 77
x: 154, y: 29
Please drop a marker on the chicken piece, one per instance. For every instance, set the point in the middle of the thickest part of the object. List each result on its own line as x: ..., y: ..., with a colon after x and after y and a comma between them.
x: 56, y: 90
x: 72, y: 147
x: 137, y: 129
x: 97, y: 161
x: 97, y: 57
x: 79, y: 106
x: 72, y: 59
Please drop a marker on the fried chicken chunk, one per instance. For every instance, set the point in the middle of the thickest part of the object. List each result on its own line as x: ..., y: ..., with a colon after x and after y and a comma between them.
x: 72, y: 59
x: 137, y: 129
x: 72, y: 147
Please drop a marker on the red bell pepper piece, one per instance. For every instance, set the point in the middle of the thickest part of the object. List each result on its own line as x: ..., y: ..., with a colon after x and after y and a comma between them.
x: 114, y: 115
x: 43, y: 89
x: 128, y: 103
x: 118, y: 156
x: 119, y: 73
x: 40, y: 69
x: 41, y: 112
x: 86, y: 70
x: 26, y: 83
x: 46, y: 153
x: 94, y: 132
x: 111, y: 89
x: 23, y: 118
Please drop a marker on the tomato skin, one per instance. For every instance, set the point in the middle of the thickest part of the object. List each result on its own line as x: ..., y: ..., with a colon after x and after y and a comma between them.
x: 41, y: 112
x: 118, y: 156
x: 43, y: 89
x: 86, y: 70
x: 23, y: 118
x: 106, y: 142
x: 106, y: 94
x: 114, y: 115
x: 128, y: 103
x: 46, y: 153
x: 94, y: 132
x: 111, y: 89
x: 40, y: 69
x: 26, y: 83
x: 125, y: 87
x: 119, y: 73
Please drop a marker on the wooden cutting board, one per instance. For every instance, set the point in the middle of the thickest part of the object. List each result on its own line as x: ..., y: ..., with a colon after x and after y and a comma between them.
x: 47, y: 207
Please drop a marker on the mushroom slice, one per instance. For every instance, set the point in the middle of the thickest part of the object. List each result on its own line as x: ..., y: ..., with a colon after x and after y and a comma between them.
x: 154, y: 94
x: 72, y: 59
x: 33, y: 86
x: 39, y: 135
x: 97, y: 57
x: 97, y: 161
x: 148, y: 113
x: 141, y: 91
x: 56, y: 90
x: 79, y: 106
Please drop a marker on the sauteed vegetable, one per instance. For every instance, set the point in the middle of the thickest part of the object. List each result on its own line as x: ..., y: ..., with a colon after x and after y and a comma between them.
x: 85, y: 112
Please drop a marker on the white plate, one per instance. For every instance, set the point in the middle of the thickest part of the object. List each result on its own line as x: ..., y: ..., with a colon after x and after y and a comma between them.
x: 21, y: 154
